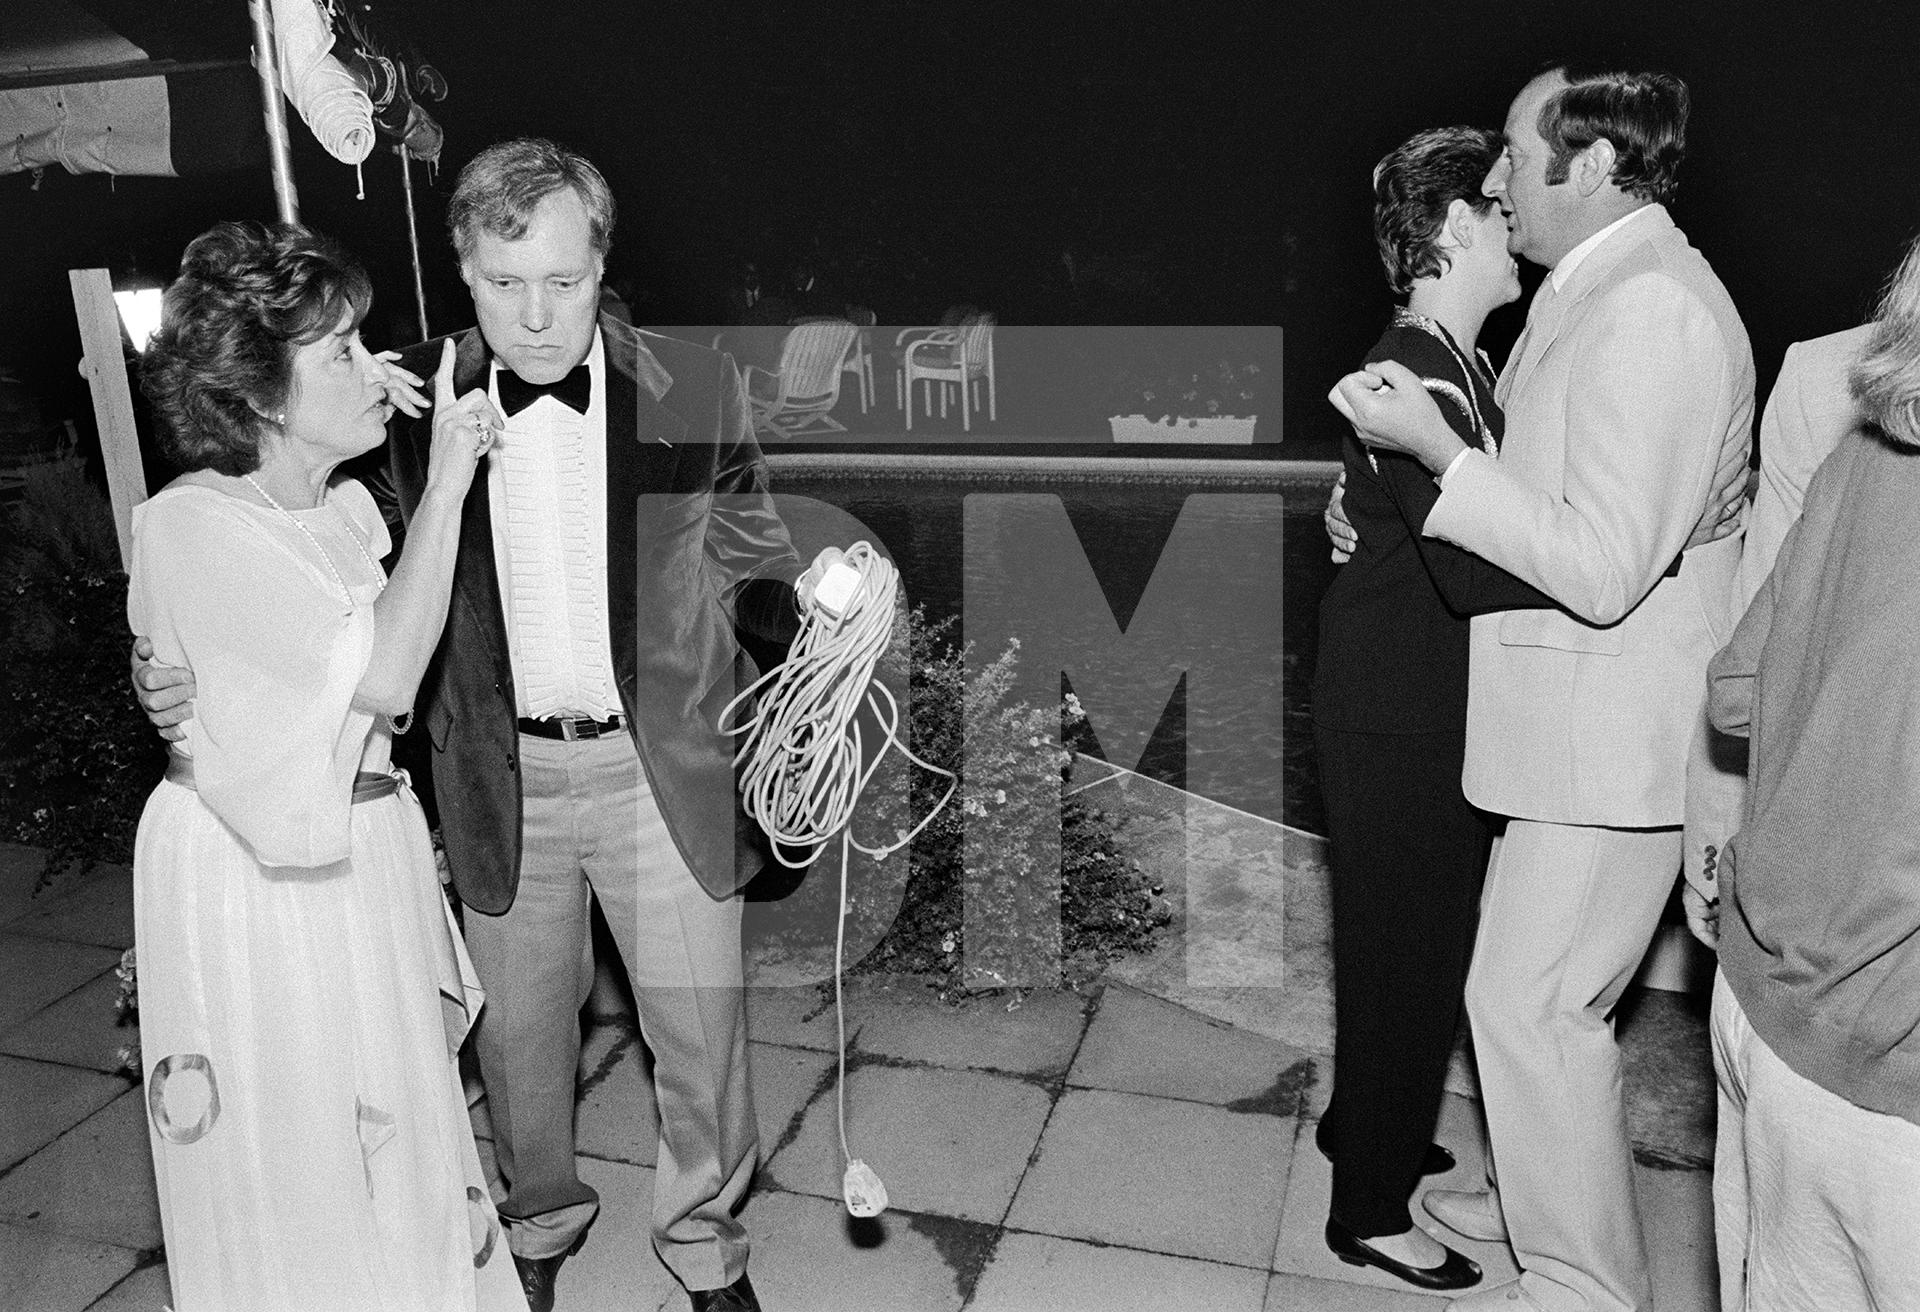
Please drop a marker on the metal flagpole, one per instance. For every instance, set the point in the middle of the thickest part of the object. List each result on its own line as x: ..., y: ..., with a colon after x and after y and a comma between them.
x: 413, y: 237
x: 274, y: 106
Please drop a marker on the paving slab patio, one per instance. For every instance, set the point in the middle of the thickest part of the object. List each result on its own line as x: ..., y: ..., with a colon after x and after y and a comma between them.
x: 93, y: 1182
x: 615, y: 1117
x: 953, y: 1143
x: 796, y: 1016
x: 1160, y: 1174
x: 810, y: 1256
x: 145, y: 1289
x: 44, y: 1101
x: 1142, y: 1145
x: 35, y: 972
x: 81, y: 1029
x: 1138, y: 1043
x: 41, y: 1272
x: 1030, y: 1272
x: 96, y: 908
x: 1031, y: 1034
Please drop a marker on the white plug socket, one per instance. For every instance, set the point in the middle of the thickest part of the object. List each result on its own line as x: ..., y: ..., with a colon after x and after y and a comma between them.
x: 864, y: 1194
x: 836, y: 590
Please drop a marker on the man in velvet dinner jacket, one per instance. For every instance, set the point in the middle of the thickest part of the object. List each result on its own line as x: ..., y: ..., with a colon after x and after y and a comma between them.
x: 577, y: 751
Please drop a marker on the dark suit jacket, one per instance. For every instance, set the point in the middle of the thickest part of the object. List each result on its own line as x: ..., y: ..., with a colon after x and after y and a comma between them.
x: 1393, y: 624
x: 693, y: 546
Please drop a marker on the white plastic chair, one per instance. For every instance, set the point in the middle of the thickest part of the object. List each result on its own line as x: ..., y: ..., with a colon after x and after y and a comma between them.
x: 962, y: 356
x: 859, y: 361
x: 800, y: 394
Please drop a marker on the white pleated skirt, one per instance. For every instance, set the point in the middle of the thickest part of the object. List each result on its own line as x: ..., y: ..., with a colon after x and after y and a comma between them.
x: 310, y: 1139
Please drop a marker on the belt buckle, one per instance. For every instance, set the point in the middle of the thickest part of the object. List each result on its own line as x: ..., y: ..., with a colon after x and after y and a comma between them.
x: 567, y: 731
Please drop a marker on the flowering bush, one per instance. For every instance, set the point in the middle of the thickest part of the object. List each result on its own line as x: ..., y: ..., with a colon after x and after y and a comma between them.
x: 986, y: 850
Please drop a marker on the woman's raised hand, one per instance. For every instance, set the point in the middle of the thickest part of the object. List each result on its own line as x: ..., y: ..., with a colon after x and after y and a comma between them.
x: 463, y: 430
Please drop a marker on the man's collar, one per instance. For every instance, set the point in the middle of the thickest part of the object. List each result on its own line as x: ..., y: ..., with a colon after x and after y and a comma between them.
x: 1575, y: 257
x: 629, y: 354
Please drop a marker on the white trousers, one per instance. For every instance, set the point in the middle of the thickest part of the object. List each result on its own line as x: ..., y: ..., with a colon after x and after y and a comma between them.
x: 1816, y: 1202
x: 1564, y: 922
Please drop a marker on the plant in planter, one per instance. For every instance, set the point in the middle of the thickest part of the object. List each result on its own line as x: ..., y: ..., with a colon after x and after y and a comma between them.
x: 1212, y: 401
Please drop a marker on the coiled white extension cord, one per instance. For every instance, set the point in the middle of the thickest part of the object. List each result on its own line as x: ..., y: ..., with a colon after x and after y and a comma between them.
x: 800, y: 760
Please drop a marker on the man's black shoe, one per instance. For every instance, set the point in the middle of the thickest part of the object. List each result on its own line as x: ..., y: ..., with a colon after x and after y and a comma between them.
x: 736, y: 1297
x: 537, y: 1275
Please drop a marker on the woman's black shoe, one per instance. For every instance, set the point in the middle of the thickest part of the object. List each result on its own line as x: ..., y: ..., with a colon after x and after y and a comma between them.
x: 1438, y: 1161
x: 1457, y: 1272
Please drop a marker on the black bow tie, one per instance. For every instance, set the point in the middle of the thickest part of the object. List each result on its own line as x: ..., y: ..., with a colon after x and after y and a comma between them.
x: 575, y: 391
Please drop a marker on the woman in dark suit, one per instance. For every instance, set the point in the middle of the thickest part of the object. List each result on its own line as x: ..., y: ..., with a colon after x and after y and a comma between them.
x: 1390, y: 709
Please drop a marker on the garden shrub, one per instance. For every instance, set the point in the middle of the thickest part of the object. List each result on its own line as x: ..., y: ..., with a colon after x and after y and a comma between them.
x: 77, y: 758
x: 908, y: 918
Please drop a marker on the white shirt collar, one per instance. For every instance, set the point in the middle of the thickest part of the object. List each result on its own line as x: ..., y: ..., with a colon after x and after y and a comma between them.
x: 1572, y: 259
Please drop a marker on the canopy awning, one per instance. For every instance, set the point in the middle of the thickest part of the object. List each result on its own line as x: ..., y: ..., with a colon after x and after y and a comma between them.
x: 77, y: 93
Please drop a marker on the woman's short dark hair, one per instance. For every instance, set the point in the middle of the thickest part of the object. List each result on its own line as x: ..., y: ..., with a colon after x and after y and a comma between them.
x: 1644, y: 116
x: 1412, y: 188
x: 248, y: 296
x: 502, y: 185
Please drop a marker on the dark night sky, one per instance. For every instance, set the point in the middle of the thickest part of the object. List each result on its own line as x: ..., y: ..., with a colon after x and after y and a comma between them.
x: 1204, y: 162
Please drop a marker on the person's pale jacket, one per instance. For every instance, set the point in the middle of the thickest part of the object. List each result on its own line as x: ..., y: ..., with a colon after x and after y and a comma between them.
x: 1810, y: 409
x: 1621, y: 396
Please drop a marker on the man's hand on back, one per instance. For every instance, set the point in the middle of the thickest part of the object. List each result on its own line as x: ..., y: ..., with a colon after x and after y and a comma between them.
x: 1339, y: 528
x: 1731, y: 485
x: 164, y: 692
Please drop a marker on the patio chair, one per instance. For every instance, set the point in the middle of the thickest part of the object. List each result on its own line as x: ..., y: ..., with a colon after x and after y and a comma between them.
x: 860, y: 354
x: 960, y: 355
x: 800, y: 394
x: 859, y: 361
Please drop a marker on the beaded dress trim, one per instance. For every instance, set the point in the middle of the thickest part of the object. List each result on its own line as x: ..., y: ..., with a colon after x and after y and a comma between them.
x: 1463, y: 401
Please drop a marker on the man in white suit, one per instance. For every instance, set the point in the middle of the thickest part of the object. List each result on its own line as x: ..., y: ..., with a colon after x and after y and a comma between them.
x: 1632, y: 382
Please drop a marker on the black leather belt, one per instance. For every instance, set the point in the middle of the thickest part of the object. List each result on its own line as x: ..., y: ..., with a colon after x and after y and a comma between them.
x: 368, y: 786
x: 568, y: 729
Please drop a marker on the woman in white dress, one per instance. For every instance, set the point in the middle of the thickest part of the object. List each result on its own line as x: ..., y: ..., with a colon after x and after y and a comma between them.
x: 303, y: 990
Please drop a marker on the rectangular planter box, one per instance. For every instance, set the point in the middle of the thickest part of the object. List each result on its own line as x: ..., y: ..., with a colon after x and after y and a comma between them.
x: 1214, y: 430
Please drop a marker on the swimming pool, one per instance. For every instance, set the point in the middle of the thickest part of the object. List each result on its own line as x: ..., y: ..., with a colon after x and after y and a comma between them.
x: 1123, y: 513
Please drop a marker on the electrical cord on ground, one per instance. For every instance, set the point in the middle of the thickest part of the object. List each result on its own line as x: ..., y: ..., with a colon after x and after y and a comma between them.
x: 800, y: 755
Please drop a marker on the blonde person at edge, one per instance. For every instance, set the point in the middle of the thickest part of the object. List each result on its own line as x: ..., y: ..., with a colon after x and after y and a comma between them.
x: 1816, y: 1009
x: 303, y: 992
x: 1631, y: 384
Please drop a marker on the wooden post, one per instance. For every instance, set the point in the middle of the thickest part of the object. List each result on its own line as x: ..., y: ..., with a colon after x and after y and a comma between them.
x: 104, y: 367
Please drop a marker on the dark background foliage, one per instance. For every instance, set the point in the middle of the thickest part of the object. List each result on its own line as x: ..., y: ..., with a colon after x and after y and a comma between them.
x: 77, y: 759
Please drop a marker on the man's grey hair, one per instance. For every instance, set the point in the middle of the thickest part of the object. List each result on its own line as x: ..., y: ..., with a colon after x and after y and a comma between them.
x: 501, y: 186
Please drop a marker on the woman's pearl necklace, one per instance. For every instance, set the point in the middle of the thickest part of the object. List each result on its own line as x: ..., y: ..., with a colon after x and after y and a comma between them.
x: 333, y: 569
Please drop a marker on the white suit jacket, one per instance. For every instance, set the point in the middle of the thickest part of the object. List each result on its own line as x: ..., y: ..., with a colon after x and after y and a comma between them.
x: 1620, y: 398
x: 1810, y: 409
